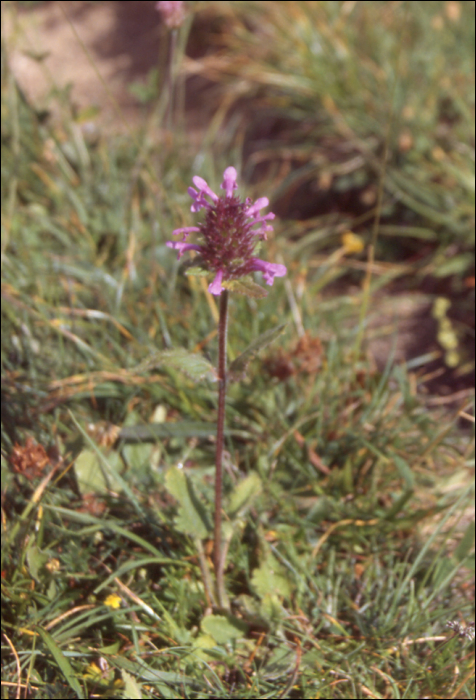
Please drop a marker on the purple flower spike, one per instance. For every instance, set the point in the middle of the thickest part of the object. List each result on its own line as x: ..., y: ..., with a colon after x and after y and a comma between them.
x: 230, y: 232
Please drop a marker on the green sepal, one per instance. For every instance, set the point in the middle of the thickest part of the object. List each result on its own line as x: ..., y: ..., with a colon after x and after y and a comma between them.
x: 197, y: 271
x: 245, y: 286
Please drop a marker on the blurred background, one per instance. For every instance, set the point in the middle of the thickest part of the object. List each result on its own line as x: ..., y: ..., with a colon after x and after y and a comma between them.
x: 360, y: 121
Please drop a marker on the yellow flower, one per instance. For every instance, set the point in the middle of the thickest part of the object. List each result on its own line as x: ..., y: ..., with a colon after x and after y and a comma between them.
x: 113, y: 601
x: 352, y: 243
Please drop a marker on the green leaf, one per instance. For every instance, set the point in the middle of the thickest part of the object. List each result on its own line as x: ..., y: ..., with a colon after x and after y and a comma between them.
x: 136, y: 456
x: 404, y: 471
x: 205, y: 647
x: 466, y: 544
x: 238, y: 367
x: 131, y: 689
x: 181, y: 429
x: 195, y: 366
x: 456, y: 265
x: 223, y: 629
x: 271, y: 610
x: 197, y: 272
x: 63, y: 663
x: 245, y: 286
x: 269, y: 579
x: 36, y: 560
x: 111, y: 525
x: 279, y: 663
x: 110, y: 467
x: 192, y: 518
x: 406, y: 474
x: 149, y: 675
x: 91, y: 474
x: 243, y: 495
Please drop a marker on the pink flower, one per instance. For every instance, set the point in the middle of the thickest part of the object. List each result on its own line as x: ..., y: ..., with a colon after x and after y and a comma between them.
x: 172, y: 12
x: 269, y: 270
x: 231, y: 230
x: 215, y: 287
x: 182, y: 247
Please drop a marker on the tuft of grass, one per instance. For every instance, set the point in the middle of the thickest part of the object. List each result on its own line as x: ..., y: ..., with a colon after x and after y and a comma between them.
x: 362, y: 117
x: 349, y: 82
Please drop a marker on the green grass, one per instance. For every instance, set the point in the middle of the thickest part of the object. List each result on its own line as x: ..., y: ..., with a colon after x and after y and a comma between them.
x: 358, y: 97
x: 358, y: 546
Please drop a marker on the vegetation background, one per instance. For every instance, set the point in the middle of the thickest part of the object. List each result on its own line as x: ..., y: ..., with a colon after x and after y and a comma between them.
x: 350, y: 444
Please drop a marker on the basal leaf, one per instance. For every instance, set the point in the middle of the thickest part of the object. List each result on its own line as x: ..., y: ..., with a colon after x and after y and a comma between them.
x: 270, y: 579
x: 91, y: 474
x: 131, y: 687
x: 192, y: 518
x: 243, y: 494
x: 223, y: 629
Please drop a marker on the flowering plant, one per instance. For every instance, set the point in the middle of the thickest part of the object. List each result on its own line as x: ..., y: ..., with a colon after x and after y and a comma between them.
x: 172, y: 12
x: 230, y: 233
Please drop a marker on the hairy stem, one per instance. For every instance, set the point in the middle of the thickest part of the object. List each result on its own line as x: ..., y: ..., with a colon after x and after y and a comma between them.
x: 218, y: 560
x: 171, y: 80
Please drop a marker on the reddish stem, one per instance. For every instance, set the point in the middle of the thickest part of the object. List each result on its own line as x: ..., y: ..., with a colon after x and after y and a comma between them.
x: 222, y: 333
